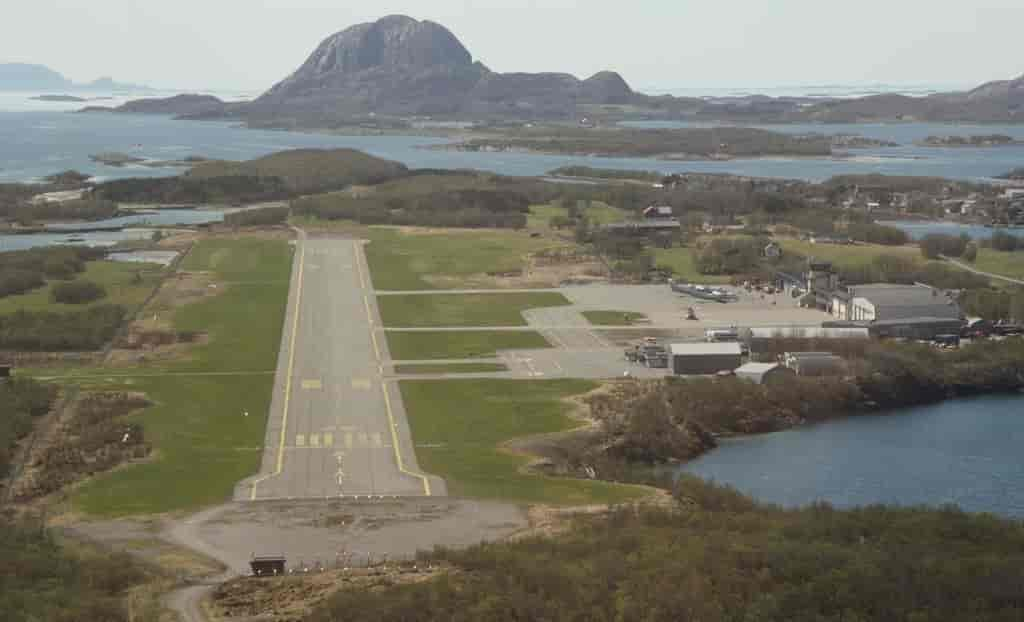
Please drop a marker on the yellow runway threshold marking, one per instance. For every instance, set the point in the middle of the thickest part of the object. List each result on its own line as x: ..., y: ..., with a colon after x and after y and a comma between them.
x: 300, y: 440
x: 361, y: 383
x: 312, y: 385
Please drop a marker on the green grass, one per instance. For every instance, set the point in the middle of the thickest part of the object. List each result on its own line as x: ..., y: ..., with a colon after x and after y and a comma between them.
x: 451, y: 368
x: 463, y: 310
x: 127, y: 284
x: 613, y: 318
x: 681, y: 262
x: 425, y: 346
x: 459, y: 425
x: 445, y: 259
x: 848, y: 256
x: 202, y: 444
x: 598, y: 213
x: 997, y: 262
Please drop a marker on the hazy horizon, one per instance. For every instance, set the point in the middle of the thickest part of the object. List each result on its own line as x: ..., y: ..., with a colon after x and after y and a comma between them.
x: 656, y: 46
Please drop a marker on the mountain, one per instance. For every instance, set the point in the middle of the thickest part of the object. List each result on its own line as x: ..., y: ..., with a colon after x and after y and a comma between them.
x: 26, y: 77
x: 402, y: 66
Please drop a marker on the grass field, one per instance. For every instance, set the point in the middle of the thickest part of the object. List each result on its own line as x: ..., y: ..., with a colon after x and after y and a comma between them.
x: 452, y: 368
x: 852, y: 255
x: 598, y: 214
x: 127, y: 284
x: 425, y: 346
x: 614, y: 318
x: 202, y: 443
x: 997, y: 262
x: 459, y: 426
x: 464, y: 310
x: 404, y: 260
x: 683, y: 268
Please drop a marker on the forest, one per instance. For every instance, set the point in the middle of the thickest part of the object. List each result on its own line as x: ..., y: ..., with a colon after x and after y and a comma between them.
x: 717, y: 556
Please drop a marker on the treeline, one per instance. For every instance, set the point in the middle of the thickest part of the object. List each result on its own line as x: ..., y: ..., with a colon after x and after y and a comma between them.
x: 994, y: 304
x: 606, y: 173
x: 234, y: 189
x: 47, y: 331
x: 936, y: 245
x: 898, y: 269
x: 877, y: 234
x: 728, y: 255
x: 259, y: 217
x: 41, y: 580
x: 457, y: 208
x: 84, y: 209
x: 1004, y: 242
x: 23, y: 400
x: 716, y: 555
x: 23, y: 271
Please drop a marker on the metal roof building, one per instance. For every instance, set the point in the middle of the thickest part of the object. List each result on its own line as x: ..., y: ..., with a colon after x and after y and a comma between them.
x: 699, y: 359
x: 763, y: 373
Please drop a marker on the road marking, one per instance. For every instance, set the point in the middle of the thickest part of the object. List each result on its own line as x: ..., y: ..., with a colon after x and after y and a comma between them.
x: 363, y: 439
x: 328, y: 439
x: 314, y: 440
x: 312, y: 385
x: 394, y: 442
x: 377, y: 441
x: 291, y: 367
x: 361, y: 383
x: 357, y: 251
x: 348, y: 440
x: 300, y: 440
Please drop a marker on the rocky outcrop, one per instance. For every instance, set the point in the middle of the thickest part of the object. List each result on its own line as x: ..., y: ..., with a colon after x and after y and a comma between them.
x: 402, y: 66
x: 179, y: 105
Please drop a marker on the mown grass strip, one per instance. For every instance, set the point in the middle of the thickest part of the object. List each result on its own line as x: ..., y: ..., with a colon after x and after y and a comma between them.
x: 425, y: 346
x: 459, y: 425
x: 451, y: 368
x: 463, y: 310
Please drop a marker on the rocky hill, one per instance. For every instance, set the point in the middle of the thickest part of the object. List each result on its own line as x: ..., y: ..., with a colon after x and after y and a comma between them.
x: 402, y: 66
x: 27, y: 77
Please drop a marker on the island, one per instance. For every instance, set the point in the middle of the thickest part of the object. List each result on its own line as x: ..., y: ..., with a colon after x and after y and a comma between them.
x: 985, y: 140
x: 117, y: 159
x: 58, y: 98
x: 1016, y: 174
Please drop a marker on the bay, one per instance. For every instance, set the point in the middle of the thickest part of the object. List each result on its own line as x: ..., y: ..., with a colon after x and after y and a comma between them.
x: 961, y: 452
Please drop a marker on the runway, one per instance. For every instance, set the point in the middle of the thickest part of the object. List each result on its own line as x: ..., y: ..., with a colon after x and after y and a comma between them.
x: 337, y: 428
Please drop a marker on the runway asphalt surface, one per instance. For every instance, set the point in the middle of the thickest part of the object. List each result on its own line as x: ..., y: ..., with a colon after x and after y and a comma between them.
x: 345, y: 432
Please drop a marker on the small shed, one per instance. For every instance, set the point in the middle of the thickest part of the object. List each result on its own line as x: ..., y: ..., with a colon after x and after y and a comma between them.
x: 699, y: 359
x: 764, y: 373
x: 267, y: 566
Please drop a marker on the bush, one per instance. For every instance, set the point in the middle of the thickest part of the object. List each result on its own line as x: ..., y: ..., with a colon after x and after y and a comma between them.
x: 261, y: 217
x: 935, y: 245
x: 45, y: 331
x: 14, y: 282
x: 1002, y: 241
x: 878, y: 234
x: 77, y: 293
x: 728, y: 256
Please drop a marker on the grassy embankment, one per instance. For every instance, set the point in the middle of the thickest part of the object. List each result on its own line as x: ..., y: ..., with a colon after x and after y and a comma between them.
x: 614, y: 318
x: 126, y: 284
x: 849, y: 255
x: 203, y: 444
x: 460, y: 426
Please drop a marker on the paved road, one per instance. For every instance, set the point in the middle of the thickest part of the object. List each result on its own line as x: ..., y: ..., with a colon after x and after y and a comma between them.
x: 990, y: 275
x: 337, y: 427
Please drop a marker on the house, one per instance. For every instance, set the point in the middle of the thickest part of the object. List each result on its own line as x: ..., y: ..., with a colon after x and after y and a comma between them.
x: 658, y: 212
x: 773, y: 250
x: 701, y: 359
x: 764, y: 373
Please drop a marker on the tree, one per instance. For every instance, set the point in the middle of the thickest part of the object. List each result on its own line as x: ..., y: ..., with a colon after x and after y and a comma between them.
x: 970, y: 253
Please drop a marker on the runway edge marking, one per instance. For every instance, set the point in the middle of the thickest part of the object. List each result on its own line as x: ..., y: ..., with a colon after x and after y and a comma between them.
x: 392, y: 426
x: 291, y: 366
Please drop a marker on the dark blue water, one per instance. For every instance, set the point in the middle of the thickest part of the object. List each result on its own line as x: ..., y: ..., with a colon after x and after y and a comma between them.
x: 964, y: 452
x: 918, y: 230
x: 35, y: 144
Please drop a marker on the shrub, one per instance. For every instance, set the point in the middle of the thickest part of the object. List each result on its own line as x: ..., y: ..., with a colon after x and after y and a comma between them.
x: 77, y: 293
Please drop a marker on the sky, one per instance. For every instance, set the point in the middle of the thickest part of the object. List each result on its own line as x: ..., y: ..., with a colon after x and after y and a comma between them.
x: 248, y: 45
